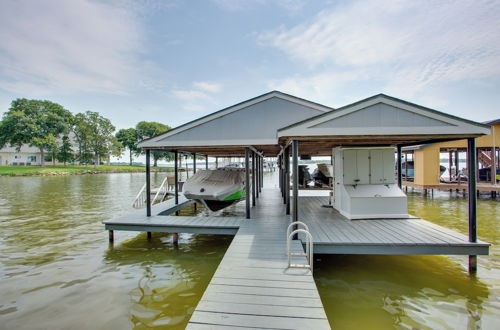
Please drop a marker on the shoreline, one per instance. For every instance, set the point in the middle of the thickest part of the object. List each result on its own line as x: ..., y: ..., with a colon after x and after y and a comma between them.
x: 60, y: 170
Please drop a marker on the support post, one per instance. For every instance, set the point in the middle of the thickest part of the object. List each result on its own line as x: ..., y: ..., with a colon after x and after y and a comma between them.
x: 216, y: 162
x: 261, y: 173
x: 206, y: 162
x: 111, y: 236
x: 472, y: 198
x: 148, y: 183
x: 406, y: 167
x: 280, y: 176
x: 450, y: 161
x: 295, y: 181
x: 456, y: 164
x: 176, y: 179
x: 247, y: 182
x: 194, y: 162
x: 257, y: 177
x: 493, y: 165
x: 254, y: 182
x: 400, y: 167
x: 175, y: 239
x: 149, y: 236
x: 194, y: 172
x: 287, y: 180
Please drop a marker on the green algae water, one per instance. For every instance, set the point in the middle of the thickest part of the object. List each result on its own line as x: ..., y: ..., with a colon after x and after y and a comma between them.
x: 418, y: 292
x: 57, y: 270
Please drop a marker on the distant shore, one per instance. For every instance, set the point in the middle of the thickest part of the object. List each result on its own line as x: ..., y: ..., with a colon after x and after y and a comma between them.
x: 51, y: 170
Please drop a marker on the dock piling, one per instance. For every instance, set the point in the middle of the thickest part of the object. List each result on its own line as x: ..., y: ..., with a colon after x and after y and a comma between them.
x: 176, y: 178
x: 149, y: 236
x: 472, y: 197
x: 111, y: 236
x: 148, y: 183
x: 295, y: 181
x: 247, y: 182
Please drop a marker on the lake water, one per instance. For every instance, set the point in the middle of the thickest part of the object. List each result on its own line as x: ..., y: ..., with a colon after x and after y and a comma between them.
x: 57, y: 270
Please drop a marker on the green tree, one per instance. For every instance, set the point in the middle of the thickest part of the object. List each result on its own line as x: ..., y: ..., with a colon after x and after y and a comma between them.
x: 116, y: 149
x: 65, y: 152
x: 128, y: 138
x: 95, y: 135
x: 148, y: 129
x: 52, y: 148
x: 34, y: 122
x: 82, y: 138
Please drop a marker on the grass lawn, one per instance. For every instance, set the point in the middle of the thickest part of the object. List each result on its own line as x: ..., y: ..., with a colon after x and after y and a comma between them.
x: 73, y: 169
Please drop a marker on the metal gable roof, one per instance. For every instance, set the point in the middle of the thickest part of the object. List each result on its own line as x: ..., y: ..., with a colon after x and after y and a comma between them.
x: 383, y: 115
x: 237, y: 124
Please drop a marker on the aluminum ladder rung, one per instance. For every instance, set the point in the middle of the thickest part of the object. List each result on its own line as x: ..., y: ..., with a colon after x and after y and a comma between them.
x: 300, y: 266
x: 309, y: 246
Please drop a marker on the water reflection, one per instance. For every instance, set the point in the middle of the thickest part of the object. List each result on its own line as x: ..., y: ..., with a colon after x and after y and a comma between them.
x: 170, y: 281
x: 57, y: 271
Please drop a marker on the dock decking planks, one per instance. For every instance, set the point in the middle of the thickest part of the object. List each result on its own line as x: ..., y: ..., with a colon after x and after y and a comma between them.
x: 253, y: 288
x: 333, y: 233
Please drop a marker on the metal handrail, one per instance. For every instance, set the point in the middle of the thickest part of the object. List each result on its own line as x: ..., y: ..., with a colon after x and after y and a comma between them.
x: 164, y: 184
x: 138, y: 202
x: 289, y: 229
x: 309, y: 247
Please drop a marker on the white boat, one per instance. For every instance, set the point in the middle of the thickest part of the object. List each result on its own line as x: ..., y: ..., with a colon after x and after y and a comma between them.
x: 216, y: 189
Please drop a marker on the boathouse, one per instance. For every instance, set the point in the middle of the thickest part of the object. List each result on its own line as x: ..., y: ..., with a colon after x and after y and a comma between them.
x: 426, y: 170
x: 253, y: 285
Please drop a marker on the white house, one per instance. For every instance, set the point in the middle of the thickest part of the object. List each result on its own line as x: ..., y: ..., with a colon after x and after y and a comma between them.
x: 28, y: 155
x: 25, y: 156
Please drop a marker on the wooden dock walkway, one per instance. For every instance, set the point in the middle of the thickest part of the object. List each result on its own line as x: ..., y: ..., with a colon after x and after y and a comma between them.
x: 252, y: 287
x: 162, y: 221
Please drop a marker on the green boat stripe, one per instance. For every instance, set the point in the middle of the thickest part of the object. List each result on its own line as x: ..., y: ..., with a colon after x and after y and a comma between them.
x: 237, y: 195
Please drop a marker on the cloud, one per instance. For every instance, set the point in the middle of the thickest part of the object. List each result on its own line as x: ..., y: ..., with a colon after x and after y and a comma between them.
x: 239, y: 5
x: 190, y: 95
x: 197, y: 98
x: 211, y: 87
x: 68, y: 46
x: 407, y: 46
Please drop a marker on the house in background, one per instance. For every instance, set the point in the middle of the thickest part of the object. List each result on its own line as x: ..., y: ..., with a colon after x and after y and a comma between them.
x: 28, y: 155
x: 25, y: 156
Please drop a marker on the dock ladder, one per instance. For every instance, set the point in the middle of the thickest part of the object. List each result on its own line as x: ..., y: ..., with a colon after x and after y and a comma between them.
x: 309, y: 246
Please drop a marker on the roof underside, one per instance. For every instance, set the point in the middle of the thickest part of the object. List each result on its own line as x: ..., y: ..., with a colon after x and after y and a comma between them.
x: 377, y: 121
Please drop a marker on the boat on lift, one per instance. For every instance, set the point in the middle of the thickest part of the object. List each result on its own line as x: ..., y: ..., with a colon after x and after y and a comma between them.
x: 216, y: 189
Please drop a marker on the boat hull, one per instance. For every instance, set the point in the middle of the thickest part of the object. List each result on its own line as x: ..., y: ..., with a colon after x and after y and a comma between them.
x: 216, y: 189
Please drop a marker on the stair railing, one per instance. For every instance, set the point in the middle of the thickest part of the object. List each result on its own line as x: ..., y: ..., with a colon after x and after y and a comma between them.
x: 140, y: 199
x: 162, y: 191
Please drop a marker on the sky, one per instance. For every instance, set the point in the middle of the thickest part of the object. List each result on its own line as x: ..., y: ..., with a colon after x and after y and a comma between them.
x: 174, y: 61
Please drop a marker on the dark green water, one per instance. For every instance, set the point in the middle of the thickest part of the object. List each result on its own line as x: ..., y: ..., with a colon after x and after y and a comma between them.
x: 418, y: 292
x: 58, y: 272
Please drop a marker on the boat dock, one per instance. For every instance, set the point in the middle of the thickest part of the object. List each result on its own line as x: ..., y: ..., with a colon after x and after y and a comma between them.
x: 485, y: 187
x: 253, y: 287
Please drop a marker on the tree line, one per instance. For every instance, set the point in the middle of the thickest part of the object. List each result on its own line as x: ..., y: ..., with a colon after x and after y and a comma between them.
x: 48, y: 126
